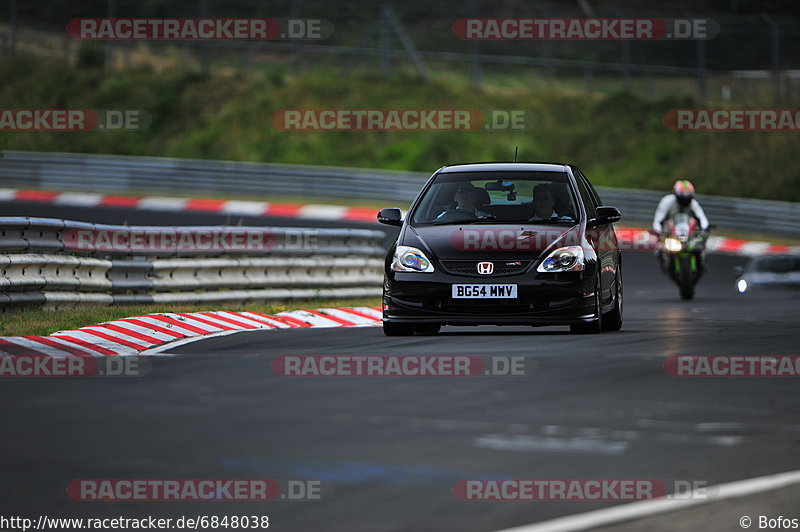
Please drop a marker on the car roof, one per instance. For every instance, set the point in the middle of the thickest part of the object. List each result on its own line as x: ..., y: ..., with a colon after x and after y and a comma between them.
x: 505, y: 167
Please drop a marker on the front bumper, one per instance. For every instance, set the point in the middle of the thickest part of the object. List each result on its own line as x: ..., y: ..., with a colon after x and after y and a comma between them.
x: 547, y: 299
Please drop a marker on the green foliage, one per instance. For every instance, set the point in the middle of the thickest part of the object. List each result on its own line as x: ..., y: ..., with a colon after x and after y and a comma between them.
x: 91, y: 56
x: 619, y: 139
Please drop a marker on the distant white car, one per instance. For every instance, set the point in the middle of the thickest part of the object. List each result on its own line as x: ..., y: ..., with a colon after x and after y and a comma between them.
x: 769, y: 271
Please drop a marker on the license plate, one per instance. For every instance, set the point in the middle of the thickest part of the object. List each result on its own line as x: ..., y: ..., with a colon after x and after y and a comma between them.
x: 484, y: 291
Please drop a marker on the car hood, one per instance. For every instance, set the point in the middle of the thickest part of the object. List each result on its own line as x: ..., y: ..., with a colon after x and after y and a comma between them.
x: 495, y: 241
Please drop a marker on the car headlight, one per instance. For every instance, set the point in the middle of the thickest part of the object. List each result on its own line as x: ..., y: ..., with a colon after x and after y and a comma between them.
x: 673, y: 245
x: 741, y: 286
x: 568, y: 259
x: 408, y: 259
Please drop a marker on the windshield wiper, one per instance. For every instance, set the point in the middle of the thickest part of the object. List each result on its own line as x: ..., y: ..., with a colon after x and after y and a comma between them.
x: 465, y: 222
x: 495, y: 220
x: 543, y: 221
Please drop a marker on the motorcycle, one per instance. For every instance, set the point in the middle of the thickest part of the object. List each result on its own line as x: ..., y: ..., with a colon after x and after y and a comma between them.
x: 683, y: 252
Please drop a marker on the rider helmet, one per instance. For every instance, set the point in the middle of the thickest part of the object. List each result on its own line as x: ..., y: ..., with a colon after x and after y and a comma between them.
x: 684, y: 192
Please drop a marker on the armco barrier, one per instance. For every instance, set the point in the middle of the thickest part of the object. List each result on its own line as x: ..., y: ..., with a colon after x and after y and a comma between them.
x: 53, y: 262
x: 118, y: 174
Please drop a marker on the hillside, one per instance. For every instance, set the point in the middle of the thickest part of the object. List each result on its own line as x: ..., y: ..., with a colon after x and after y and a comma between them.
x: 619, y: 139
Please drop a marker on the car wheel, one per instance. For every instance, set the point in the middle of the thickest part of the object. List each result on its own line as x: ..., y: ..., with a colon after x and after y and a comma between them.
x: 428, y: 328
x: 612, y: 321
x: 594, y: 326
x: 397, y: 329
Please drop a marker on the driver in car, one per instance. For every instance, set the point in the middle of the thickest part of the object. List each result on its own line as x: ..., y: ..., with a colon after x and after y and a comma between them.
x: 544, y: 204
x: 465, y: 197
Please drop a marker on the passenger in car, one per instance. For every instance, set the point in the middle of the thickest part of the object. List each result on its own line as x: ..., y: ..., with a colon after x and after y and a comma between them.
x: 466, y: 197
x: 543, y: 204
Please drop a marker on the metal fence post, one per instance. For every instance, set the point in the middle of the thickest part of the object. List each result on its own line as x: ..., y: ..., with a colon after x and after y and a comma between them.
x: 386, y: 43
x: 297, y: 47
x: 248, y: 59
x: 204, y: 61
x: 588, y: 78
x: 65, y: 48
x: 701, y: 70
x: 776, y: 56
x: 475, y: 50
x: 626, y: 65
x: 700, y: 46
x: 547, y: 44
x: 111, y: 7
x: 408, y: 44
x: 625, y: 55
x: 12, y: 18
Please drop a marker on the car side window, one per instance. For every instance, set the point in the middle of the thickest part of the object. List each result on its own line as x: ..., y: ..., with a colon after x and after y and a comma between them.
x: 588, y: 200
x: 592, y: 190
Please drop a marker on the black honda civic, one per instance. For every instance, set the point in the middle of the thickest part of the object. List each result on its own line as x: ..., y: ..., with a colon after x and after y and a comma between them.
x: 503, y: 244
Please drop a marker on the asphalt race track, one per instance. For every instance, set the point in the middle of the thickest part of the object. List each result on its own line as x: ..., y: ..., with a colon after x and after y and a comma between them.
x: 391, y: 449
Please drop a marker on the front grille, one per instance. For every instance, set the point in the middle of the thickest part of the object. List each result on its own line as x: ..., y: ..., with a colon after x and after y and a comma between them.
x: 477, y: 307
x: 470, y: 267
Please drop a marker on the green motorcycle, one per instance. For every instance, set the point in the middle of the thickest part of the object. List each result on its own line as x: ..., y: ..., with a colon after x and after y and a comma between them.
x: 683, y: 252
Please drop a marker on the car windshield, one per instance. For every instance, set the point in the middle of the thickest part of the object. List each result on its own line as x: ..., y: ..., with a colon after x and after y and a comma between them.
x: 778, y: 264
x: 498, y: 197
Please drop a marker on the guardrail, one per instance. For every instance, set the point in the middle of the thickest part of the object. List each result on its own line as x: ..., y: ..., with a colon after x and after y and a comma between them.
x: 105, y: 173
x: 54, y: 262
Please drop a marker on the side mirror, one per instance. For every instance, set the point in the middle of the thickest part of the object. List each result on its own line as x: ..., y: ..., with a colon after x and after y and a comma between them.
x: 390, y: 217
x: 738, y: 271
x: 605, y: 215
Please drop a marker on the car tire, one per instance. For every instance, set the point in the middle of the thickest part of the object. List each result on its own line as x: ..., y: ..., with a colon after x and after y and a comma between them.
x: 397, y: 329
x: 594, y: 326
x: 612, y: 321
x: 428, y: 328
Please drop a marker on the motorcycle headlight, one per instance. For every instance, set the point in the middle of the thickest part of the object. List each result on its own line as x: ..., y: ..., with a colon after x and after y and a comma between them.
x: 741, y: 286
x: 408, y: 259
x: 568, y: 259
x: 673, y: 245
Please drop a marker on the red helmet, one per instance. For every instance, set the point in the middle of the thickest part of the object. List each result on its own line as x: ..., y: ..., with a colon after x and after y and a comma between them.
x: 684, y: 192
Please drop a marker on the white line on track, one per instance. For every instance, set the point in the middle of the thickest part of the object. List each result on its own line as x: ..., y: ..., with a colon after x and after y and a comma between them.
x: 642, y: 509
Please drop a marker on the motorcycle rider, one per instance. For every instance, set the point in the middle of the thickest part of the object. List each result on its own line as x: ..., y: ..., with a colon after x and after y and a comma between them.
x: 681, y: 200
